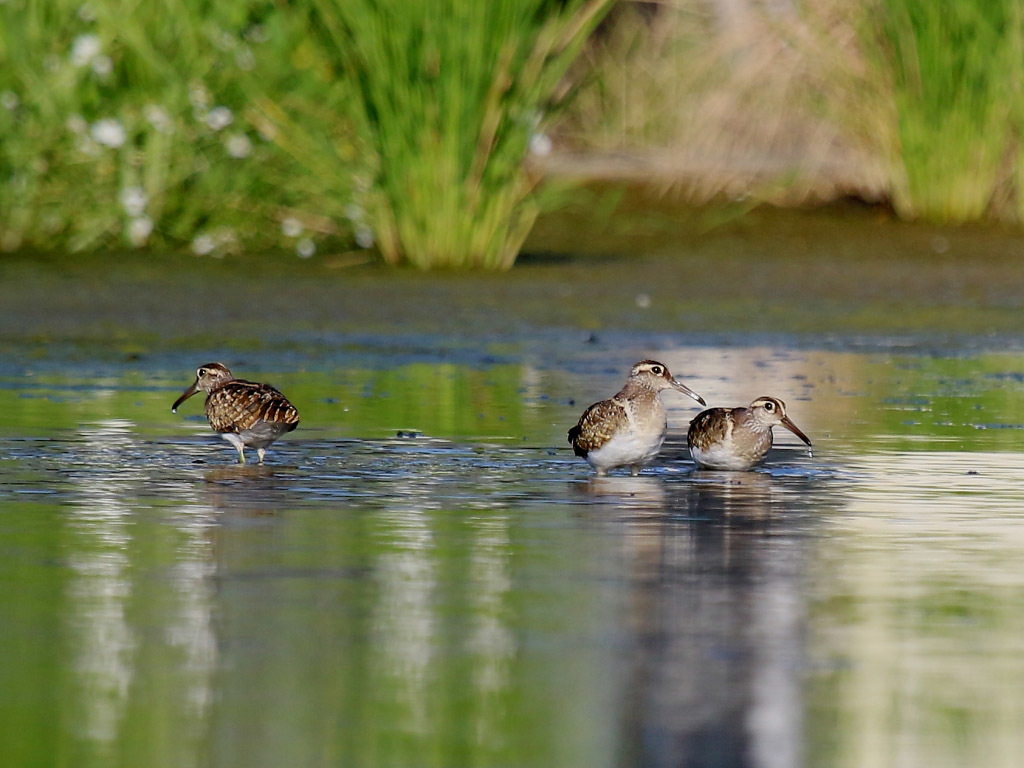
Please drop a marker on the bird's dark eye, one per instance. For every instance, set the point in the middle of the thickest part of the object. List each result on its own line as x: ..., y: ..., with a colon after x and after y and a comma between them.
x: 657, y: 370
x: 201, y: 372
x: 769, y: 406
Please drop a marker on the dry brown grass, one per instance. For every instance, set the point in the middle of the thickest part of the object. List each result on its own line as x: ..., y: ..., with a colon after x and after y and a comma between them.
x: 775, y: 102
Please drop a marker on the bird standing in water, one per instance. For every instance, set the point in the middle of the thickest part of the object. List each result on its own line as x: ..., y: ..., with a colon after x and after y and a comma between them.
x: 737, y: 438
x: 629, y: 428
x: 247, y: 414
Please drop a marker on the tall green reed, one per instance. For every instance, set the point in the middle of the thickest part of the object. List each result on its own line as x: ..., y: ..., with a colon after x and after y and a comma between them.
x: 451, y: 94
x: 955, y: 71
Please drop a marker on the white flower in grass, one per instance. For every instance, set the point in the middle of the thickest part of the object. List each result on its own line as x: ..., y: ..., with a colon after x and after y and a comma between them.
x: 245, y: 59
x: 305, y: 248
x: 159, y: 118
x: 225, y: 236
x: 540, y: 145
x: 219, y: 118
x: 215, y: 243
x: 76, y: 124
x: 84, y: 49
x: 364, y: 237
x: 257, y: 33
x: 102, y: 66
x: 238, y: 145
x: 87, y: 146
x: 198, y: 96
x: 109, y: 132
x: 139, y: 230
x: 52, y: 222
x: 134, y: 200
x: 9, y: 100
x: 203, y: 245
x: 291, y: 227
x: 225, y: 40
x: 354, y: 212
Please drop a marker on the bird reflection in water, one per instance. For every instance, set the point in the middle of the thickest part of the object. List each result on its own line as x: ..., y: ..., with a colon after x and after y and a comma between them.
x: 625, y: 494
x: 248, y: 491
x: 716, y: 563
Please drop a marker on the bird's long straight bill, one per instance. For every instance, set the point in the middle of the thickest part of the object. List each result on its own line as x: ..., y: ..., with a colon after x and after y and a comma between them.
x: 794, y: 429
x: 185, y: 396
x: 688, y: 392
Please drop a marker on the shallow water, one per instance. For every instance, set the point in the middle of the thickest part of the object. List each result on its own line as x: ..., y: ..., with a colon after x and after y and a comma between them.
x: 471, y: 594
x: 423, y: 574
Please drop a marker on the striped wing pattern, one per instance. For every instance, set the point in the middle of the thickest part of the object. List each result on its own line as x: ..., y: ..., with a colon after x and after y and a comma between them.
x: 241, y: 405
x: 598, y: 424
x: 709, y: 427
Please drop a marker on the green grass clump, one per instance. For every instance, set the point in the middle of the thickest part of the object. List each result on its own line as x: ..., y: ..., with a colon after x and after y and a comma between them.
x: 451, y: 93
x: 230, y: 125
x: 955, y: 70
x: 124, y: 124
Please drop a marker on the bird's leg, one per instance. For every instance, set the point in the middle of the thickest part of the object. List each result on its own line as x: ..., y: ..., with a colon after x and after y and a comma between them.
x: 261, y: 452
x: 236, y: 441
x: 634, y: 470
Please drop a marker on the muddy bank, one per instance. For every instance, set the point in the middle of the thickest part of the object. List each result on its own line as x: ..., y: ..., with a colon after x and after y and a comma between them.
x: 591, y: 270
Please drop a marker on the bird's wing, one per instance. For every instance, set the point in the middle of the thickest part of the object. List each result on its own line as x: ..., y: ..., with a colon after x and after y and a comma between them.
x: 240, y: 405
x: 597, y: 425
x: 709, y: 427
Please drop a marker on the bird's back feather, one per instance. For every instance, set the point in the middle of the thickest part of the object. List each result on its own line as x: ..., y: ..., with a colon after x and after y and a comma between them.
x: 242, y: 405
x: 597, y: 425
x: 709, y: 427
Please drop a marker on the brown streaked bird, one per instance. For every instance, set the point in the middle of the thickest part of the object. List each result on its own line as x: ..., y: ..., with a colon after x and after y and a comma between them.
x: 737, y: 438
x: 247, y: 414
x: 627, y: 430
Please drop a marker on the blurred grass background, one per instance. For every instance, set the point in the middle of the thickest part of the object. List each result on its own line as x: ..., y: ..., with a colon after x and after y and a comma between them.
x: 433, y: 133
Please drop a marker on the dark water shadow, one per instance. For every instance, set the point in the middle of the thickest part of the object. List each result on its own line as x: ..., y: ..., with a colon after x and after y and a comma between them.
x: 716, y: 627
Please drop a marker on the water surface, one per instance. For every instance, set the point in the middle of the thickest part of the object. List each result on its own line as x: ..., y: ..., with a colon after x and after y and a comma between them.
x: 423, y: 574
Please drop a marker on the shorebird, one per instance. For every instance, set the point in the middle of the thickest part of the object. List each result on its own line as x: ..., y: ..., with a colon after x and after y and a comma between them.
x: 737, y: 438
x: 245, y: 413
x: 628, y: 429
